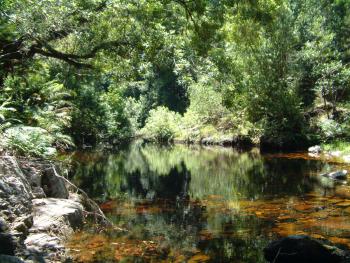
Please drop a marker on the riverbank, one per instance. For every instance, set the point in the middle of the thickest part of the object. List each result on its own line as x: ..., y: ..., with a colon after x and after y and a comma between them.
x: 338, y: 151
x: 239, y: 141
x: 39, y: 210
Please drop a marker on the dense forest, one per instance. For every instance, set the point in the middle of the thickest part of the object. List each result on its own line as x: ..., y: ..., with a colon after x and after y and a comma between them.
x: 88, y: 72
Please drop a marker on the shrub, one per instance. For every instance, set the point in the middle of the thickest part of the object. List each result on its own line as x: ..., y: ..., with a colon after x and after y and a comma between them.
x: 162, y: 125
x: 115, y: 120
x: 206, y: 103
x: 330, y: 129
x: 29, y: 141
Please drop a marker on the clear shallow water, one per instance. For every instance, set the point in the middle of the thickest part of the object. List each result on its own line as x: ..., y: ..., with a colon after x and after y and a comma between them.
x: 193, y: 204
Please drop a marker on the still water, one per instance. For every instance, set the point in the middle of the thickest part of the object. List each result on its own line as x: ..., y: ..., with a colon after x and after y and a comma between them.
x: 195, y: 204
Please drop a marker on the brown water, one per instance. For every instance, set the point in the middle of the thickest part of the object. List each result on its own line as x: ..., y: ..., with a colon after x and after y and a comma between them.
x: 192, y: 204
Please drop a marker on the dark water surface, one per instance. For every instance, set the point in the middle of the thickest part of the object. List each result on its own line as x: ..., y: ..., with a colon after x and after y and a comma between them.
x: 193, y: 204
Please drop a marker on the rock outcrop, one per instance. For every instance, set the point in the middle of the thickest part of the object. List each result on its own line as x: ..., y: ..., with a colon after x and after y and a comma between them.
x: 38, y: 212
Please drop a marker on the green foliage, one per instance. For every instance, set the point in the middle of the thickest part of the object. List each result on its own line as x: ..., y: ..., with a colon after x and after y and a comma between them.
x: 117, y: 123
x: 6, y: 114
x: 206, y: 103
x: 162, y: 125
x: 98, y: 71
x: 87, y: 117
x: 330, y: 129
x: 343, y: 147
x: 43, y: 107
x: 28, y: 141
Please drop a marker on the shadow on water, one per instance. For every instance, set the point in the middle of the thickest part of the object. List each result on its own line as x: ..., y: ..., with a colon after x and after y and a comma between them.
x: 193, y: 204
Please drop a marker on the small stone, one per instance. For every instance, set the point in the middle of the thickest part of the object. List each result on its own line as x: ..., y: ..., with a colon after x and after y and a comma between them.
x: 38, y: 192
x: 3, y: 226
x: 315, y: 149
x: 337, y: 175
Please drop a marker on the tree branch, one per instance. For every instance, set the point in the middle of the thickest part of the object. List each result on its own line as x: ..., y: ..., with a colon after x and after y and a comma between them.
x: 63, y: 57
x: 92, y: 53
x: 73, y: 59
x: 48, y: 51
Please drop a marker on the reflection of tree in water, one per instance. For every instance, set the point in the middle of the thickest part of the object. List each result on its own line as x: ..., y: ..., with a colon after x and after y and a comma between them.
x: 213, y: 171
x: 180, y: 181
x: 153, y: 171
x: 174, y: 185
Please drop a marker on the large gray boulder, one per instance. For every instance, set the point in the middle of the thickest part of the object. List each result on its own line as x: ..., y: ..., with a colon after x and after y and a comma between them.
x: 53, y: 185
x: 32, y: 226
x: 54, y: 220
x: 15, y: 206
x: 51, y: 213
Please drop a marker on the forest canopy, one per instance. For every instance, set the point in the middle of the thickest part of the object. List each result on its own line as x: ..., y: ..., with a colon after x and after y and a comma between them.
x: 83, y: 72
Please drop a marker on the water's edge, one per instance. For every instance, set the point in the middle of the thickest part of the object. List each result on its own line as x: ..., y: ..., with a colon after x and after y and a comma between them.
x: 39, y: 211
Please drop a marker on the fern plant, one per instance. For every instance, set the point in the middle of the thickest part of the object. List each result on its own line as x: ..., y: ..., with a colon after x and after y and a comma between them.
x: 35, y: 103
x: 6, y: 115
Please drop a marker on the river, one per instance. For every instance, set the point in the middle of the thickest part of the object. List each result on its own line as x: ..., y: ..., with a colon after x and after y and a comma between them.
x: 195, y: 204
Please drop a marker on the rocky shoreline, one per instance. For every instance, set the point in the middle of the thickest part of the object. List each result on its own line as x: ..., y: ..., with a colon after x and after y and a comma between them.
x: 39, y: 209
x: 317, y: 152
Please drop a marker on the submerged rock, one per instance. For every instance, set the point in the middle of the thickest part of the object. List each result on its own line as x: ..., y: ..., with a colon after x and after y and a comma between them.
x: 337, y: 175
x: 302, y: 249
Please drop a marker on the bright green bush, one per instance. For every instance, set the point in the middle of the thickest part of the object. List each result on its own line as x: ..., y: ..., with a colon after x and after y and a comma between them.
x: 206, y: 104
x: 330, y: 129
x: 116, y: 121
x: 162, y: 125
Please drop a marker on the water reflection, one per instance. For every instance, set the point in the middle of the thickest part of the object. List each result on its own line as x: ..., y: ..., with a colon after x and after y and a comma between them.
x: 193, y: 204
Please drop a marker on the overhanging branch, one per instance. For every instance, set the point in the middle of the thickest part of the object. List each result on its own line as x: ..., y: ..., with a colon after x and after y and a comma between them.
x: 92, y: 53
